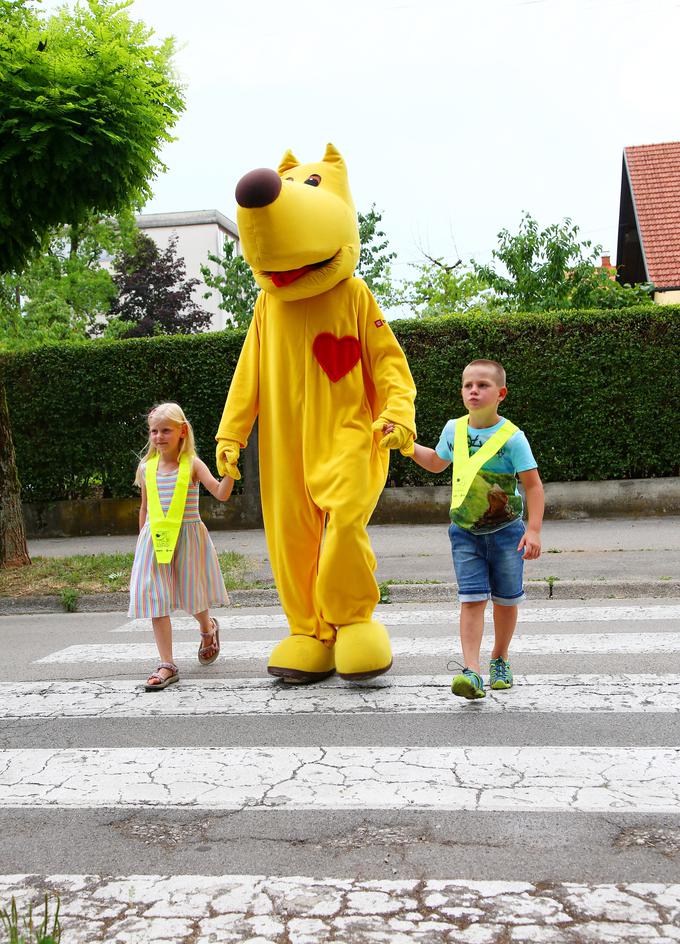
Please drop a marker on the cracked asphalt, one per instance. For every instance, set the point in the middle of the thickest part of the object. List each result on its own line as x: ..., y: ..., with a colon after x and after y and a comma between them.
x: 382, y: 813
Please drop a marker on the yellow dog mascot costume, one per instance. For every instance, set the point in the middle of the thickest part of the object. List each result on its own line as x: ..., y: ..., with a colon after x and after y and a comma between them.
x: 324, y: 373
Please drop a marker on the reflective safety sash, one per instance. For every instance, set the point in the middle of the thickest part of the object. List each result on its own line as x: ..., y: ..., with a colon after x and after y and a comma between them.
x: 165, y: 527
x: 466, y: 466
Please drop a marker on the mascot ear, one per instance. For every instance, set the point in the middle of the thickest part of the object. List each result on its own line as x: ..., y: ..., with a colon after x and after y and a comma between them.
x: 288, y: 162
x: 332, y: 155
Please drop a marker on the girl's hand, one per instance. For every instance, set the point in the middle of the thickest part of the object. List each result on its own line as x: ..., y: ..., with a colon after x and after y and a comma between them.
x: 531, y: 542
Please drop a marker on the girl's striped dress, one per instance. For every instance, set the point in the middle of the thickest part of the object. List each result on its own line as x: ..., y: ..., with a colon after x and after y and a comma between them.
x: 192, y: 581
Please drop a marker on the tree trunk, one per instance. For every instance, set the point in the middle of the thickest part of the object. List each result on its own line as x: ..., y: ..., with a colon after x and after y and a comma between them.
x: 13, y: 550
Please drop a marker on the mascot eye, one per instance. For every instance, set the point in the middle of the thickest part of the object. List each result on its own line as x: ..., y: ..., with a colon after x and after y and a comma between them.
x: 289, y: 178
x: 313, y: 180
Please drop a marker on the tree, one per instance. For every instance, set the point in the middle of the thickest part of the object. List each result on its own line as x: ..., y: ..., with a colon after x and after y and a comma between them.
x: 552, y: 269
x: 13, y: 550
x: 442, y: 289
x: 375, y: 261
x: 594, y: 287
x: 66, y: 290
x: 234, y: 282
x: 87, y: 103
x: 154, y: 295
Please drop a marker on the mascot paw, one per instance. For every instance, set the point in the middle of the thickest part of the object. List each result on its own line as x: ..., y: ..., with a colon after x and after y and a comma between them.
x: 227, y: 455
x: 301, y: 659
x: 362, y: 650
x: 397, y: 437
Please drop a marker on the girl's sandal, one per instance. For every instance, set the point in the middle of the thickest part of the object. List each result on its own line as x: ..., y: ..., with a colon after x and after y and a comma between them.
x: 162, y: 682
x: 215, y: 645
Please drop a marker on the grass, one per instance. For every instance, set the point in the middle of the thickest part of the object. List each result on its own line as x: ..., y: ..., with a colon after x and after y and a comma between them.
x: 23, y: 930
x: 69, y: 599
x: 70, y: 577
x: 400, y: 581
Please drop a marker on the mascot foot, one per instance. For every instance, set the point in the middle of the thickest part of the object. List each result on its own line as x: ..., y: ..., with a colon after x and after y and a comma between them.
x: 362, y: 651
x: 301, y: 660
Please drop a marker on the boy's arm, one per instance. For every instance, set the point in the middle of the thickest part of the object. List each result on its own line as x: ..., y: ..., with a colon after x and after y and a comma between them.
x: 428, y: 459
x: 533, y: 488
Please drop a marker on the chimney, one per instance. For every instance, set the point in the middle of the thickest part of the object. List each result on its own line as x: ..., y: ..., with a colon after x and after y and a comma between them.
x: 606, y: 262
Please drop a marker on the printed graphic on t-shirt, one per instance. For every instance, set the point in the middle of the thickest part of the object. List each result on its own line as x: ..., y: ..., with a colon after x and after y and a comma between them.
x: 475, y: 442
x: 490, y: 504
x: 493, y: 500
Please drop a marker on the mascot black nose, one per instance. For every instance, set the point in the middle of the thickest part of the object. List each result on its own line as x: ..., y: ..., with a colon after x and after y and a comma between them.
x: 258, y: 188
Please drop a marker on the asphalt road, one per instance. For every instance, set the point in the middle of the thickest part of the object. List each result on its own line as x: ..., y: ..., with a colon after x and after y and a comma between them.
x: 586, y: 549
x: 571, y: 777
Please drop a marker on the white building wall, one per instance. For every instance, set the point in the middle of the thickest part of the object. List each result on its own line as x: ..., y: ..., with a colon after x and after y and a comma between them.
x: 667, y: 298
x: 197, y: 235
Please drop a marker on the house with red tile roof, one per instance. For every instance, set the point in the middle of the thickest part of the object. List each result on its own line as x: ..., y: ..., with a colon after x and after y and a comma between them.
x: 649, y: 219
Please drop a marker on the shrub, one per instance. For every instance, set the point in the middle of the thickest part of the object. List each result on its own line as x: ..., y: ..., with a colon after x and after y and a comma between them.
x: 595, y: 391
x: 78, y: 410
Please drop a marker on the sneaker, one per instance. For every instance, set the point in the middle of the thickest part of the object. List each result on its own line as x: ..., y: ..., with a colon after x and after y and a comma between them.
x: 468, y: 685
x: 500, y: 674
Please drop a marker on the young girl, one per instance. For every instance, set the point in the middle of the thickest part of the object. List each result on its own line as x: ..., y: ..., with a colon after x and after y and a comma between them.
x: 175, y: 564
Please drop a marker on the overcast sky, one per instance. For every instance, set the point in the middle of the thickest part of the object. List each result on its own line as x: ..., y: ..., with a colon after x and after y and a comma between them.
x: 453, y: 116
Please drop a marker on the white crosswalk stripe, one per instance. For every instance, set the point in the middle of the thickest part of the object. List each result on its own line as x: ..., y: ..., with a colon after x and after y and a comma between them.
x: 425, y: 646
x: 632, y: 781
x: 391, y: 616
x: 397, y: 694
x: 550, y: 778
x: 233, y: 909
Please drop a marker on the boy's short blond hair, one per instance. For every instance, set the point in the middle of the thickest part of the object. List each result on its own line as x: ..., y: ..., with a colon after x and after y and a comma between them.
x: 494, y: 366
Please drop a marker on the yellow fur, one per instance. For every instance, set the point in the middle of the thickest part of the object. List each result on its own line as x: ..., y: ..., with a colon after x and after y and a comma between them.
x: 362, y: 650
x: 321, y: 465
x: 302, y: 659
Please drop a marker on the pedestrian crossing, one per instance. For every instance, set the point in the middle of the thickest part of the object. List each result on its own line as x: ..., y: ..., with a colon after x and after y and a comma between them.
x: 336, y: 805
x: 392, y: 616
x: 397, y: 694
x: 497, y: 779
x: 258, y: 909
x: 402, y: 647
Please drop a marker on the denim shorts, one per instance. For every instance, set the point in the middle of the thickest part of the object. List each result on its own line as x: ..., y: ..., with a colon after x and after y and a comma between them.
x: 489, y: 565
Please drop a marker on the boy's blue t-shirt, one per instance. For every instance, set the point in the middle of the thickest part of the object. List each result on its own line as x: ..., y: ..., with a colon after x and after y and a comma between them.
x: 493, y: 501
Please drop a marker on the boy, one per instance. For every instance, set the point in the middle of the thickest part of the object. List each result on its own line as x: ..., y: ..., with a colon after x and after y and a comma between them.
x: 487, y: 532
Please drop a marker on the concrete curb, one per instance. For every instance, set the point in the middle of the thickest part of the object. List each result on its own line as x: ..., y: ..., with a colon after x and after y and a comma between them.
x: 395, y: 593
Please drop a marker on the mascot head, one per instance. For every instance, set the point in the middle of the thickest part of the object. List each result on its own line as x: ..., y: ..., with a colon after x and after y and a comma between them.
x: 298, y: 228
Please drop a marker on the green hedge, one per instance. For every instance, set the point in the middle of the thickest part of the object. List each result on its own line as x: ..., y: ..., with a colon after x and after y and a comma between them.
x: 597, y: 393
x: 78, y: 411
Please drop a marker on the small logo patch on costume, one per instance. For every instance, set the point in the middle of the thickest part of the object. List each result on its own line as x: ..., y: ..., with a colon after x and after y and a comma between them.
x: 379, y: 323
x: 337, y: 356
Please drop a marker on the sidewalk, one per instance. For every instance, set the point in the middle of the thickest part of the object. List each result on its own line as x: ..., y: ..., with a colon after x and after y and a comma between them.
x: 588, y: 558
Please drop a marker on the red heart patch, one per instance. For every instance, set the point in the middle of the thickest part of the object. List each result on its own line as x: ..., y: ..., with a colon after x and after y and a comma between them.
x: 337, y: 356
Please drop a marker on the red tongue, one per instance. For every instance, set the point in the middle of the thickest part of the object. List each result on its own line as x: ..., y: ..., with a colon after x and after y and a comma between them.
x: 280, y: 279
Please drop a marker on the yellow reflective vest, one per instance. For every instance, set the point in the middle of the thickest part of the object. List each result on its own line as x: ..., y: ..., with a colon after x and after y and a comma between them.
x: 466, y: 466
x: 165, y: 527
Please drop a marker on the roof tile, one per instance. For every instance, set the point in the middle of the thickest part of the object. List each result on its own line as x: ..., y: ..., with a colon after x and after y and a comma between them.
x: 654, y: 174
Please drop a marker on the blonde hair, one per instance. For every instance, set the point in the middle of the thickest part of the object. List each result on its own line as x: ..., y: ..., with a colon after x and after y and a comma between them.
x: 494, y: 366
x: 173, y: 413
